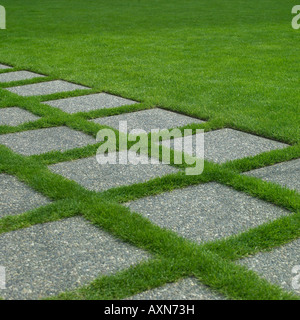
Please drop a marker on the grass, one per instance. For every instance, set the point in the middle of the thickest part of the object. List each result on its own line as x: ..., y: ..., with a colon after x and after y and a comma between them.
x: 234, y: 61
x: 231, y: 63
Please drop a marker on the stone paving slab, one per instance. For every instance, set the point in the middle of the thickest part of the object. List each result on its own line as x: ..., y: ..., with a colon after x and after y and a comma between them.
x: 45, y: 88
x: 2, y: 67
x: 185, y: 289
x: 45, y: 140
x: 18, y: 76
x: 16, y: 197
x: 89, y: 102
x: 15, y: 116
x: 228, y: 144
x: 206, y: 212
x: 286, y: 174
x: 148, y: 119
x: 99, y: 177
x: 280, y: 266
x: 50, y: 258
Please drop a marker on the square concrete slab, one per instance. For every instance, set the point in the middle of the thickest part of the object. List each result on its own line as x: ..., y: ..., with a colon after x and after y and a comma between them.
x: 16, y: 197
x: 206, y: 212
x: 44, y: 88
x: 185, y: 289
x: 2, y: 67
x: 45, y: 140
x: 15, y: 116
x: 18, y: 75
x: 228, y: 144
x: 280, y: 266
x: 89, y: 102
x: 50, y: 258
x: 286, y: 174
x: 148, y: 119
x: 99, y: 177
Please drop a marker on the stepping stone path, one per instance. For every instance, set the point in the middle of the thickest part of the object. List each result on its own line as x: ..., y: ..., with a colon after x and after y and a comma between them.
x: 280, y: 266
x: 93, y: 176
x: 16, y: 197
x: 15, y: 116
x: 185, y: 289
x: 2, y: 67
x: 70, y: 253
x: 89, y: 103
x: 45, y: 88
x: 148, y: 119
x: 60, y: 256
x: 228, y: 144
x: 206, y: 212
x: 18, y: 76
x: 45, y: 140
x: 286, y: 174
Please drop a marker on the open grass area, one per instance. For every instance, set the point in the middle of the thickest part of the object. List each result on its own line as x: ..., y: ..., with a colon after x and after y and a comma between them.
x: 232, y: 63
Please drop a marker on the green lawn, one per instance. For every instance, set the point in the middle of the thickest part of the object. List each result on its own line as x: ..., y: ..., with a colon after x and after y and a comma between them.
x: 234, y: 63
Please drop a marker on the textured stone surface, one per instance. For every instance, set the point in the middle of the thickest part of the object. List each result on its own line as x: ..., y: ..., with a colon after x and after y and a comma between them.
x: 44, y: 140
x: 185, y: 289
x: 94, y: 176
x: 228, y: 144
x: 280, y: 266
x: 148, y: 119
x: 2, y: 67
x: 206, y: 212
x: 15, y: 116
x: 44, y: 88
x: 16, y: 197
x: 18, y: 76
x: 89, y: 102
x: 286, y: 174
x: 50, y: 258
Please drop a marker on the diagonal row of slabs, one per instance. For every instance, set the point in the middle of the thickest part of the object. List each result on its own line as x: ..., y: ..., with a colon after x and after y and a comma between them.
x: 199, y: 213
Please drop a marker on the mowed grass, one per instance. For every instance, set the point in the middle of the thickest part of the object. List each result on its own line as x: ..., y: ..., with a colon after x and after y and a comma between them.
x: 231, y: 61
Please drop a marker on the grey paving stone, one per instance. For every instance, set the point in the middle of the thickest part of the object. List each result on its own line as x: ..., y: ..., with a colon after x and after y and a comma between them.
x: 89, y: 102
x: 44, y: 140
x: 44, y: 88
x: 15, y: 116
x: 280, y: 266
x: 50, y: 258
x: 2, y: 67
x: 98, y: 177
x: 228, y: 144
x: 148, y: 119
x: 185, y: 289
x: 286, y: 174
x: 18, y: 75
x: 206, y: 212
x: 16, y: 197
